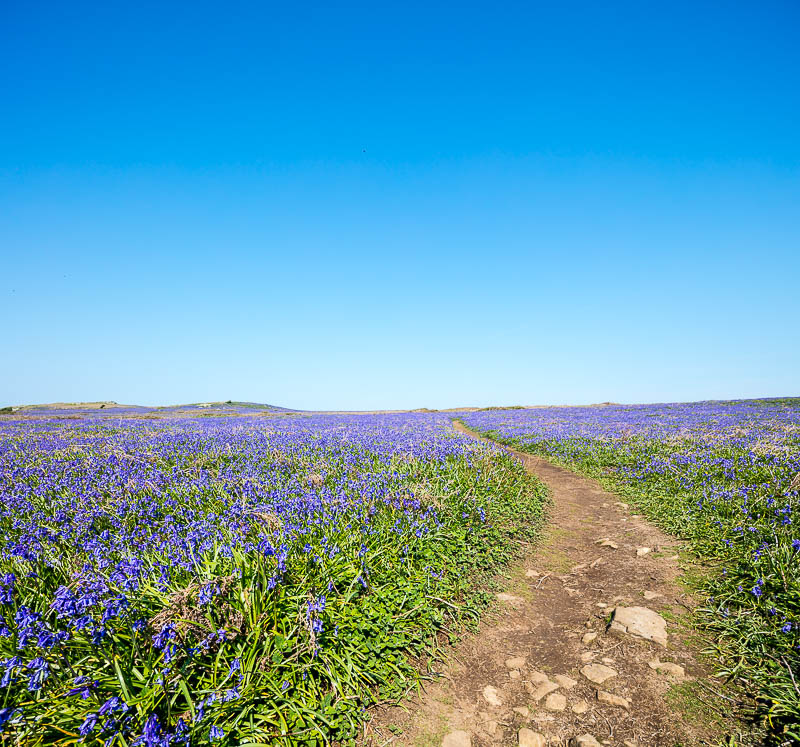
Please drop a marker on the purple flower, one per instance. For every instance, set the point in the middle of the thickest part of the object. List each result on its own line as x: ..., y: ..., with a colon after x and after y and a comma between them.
x: 215, y: 732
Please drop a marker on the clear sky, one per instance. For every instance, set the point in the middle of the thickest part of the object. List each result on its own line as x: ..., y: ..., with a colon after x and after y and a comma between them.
x: 372, y: 205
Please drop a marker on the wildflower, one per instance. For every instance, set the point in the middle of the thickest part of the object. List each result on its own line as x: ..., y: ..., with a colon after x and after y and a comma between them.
x: 215, y: 733
x: 88, y: 725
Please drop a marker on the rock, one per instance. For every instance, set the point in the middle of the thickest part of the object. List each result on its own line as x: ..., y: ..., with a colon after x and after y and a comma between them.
x: 544, y: 689
x: 606, y: 542
x: 555, y: 702
x: 601, y: 605
x: 528, y: 738
x: 650, y: 595
x: 509, y: 598
x: 667, y: 667
x: 584, y: 740
x: 566, y: 682
x: 580, y: 707
x: 515, y: 674
x: 523, y: 711
x: 630, y: 743
x: 640, y: 622
x: 538, y: 677
x: 457, y: 739
x: 530, y: 573
x: 588, y: 638
x: 642, y: 551
x: 608, y: 660
x: 595, y: 563
x: 492, y: 728
x: 614, y: 700
x: 587, y: 656
x: 598, y: 673
x: 517, y: 662
x: 491, y: 696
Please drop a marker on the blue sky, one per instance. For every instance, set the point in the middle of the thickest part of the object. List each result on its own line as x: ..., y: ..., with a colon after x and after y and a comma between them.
x: 399, y: 205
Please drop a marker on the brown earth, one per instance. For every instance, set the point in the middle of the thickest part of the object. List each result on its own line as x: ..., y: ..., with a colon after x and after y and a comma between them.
x: 567, y: 587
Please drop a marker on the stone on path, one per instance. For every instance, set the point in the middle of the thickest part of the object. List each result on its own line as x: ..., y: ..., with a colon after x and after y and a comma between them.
x: 587, y: 656
x: 642, y: 551
x: 544, y: 689
x: 537, y: 678
x: 588, y: 638
x: 528, y: 738
x: 516, y: 662
x: 510, y: 598
x: 530, y: 573
x: 457, y: 739
x: 650, y: 595
x: 640, y: 622
x: 584, y: 740
x: 606, y: 542
x: 580, y: 707
x: 523, y: 711
x: 614, y: 700
x: 667, y: 667
x: 555, y: 702
x: 491, y: 696
x: 598, y: 673
x: 566, y: 682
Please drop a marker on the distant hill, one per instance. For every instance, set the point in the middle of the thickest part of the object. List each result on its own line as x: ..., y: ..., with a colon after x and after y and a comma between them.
x: 109, y: 407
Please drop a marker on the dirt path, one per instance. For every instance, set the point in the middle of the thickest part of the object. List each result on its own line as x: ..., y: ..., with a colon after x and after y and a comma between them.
x: 547, y: 667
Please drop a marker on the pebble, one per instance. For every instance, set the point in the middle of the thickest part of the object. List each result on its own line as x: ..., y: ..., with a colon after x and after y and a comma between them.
x: 598, y: 673
x: 641, y: 551
x: 491, y: 696
x: 587, y: 656
x: 650, y: 595
x: 588, y: 638
x: 528, y: 738
x: 555, y: 702
x: 641, y: 622
x: 584, y: 740
x: 457, y: 739
x: 530, y: 573
x: 515, y: 674
x: 606, y: 542
x: 544, y: 689
x: 614, y: 700
x: 580, y: 707
x: 538, y: 677
x: 517, y: 662
x: 667, y: 667
x: 510, y: 598
x: 566, y: 682
x: 523, y: 711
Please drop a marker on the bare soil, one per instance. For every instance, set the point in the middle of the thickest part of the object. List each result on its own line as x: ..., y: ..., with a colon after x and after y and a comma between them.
x: 566, y: 587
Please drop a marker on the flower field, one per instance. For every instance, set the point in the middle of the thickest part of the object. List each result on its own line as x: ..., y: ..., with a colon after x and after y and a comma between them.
x: 724, y: 476
x: 238, y: 580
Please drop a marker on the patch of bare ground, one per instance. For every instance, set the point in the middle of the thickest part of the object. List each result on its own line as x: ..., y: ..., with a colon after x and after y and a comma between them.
x: 585, y: 645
